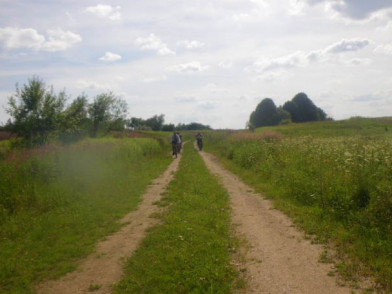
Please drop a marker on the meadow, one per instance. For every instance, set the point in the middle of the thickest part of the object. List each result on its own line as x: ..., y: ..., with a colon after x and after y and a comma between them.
x: 336, y: 184
x: 56, y: 202
x: 190, y: 252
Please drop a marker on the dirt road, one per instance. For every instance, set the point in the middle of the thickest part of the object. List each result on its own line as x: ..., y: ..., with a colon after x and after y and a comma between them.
x: 104, y: 267
x: 279, y: 259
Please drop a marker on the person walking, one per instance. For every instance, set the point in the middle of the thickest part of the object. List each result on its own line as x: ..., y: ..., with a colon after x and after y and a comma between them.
x: 174, y: 142
x: 199, y: 139
x: 179, y: 144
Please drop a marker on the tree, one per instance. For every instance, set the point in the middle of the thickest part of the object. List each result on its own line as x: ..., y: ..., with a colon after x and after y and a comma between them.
x: 302, y: 109
x: 75, y: 120
x: 168, y: 127
x: 265, y: 114
x: 156, y: 122
x: 35, y: 111
x: 107, y: 113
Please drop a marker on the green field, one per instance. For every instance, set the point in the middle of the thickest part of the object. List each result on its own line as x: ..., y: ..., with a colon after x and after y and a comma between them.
x: 333, y: 178
x: 191, y: 251
x: 57, y: 202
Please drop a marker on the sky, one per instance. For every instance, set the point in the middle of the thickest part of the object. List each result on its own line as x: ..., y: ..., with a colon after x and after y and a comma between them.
x: 203, y: 61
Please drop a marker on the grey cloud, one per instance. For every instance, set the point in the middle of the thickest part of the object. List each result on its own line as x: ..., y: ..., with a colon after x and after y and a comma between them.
x: 366, y: 98
x: 347, y: 45
x: 356, y: 9
x: 189, y: 99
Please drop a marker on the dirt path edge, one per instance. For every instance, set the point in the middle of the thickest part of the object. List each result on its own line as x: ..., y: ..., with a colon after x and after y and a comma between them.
x: 105, y: 266
x: 279, y: 259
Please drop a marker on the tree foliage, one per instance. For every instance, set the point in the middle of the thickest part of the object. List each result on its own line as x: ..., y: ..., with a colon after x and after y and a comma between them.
x: 299, y: 109
x: 302, y: 109
x: 266, y: 114
x: 36, y: 111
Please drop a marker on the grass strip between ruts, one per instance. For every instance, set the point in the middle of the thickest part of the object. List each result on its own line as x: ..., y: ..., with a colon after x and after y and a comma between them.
x: 190, y: 252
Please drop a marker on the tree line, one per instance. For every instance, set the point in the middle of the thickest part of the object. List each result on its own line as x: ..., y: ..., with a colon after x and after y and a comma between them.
x: 156, y: 123
x: 38, y: 115
x: 299, y: 109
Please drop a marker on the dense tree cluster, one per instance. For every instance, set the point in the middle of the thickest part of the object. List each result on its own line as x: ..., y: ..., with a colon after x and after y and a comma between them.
x: 156, y: 123
x: 299, y: 109
x: 39, y: 114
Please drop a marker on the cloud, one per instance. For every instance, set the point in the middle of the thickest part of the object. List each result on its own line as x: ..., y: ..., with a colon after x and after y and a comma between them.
x: 190, y: 67
x: 296, y: 7
x: 358, y: 61
x: 366, y: 98
x: 300, y: 58
x: 241, y: 17
x: 185, y: 99
x: 288, y: 61
x: 60, y: 40
x: 153, y: 79
x: 355, y: 9
x: 347, y: 45
x: 191, y: 44
x: 109, y: 56
x: 15, y: 38
x: 105, y: 11
x: 384, y: 49
x: 153, y: 43
x: 28, y: 38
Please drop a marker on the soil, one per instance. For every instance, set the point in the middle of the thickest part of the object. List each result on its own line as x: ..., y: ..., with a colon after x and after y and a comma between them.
x: 278, y: 259
x: 104, y: 267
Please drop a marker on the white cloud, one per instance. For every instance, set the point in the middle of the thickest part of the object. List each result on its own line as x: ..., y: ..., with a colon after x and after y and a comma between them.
x: 28, y: 38
x: 300, y: 58
x: 191, y: 44
x: 60, y: 40
x: 241, y: 17
x: 190, y: 67
x: 292, y: 60
x: 347, y: 45
x: 384, y: 49
x: 296, y: 7
x: 153, y: 79
x: 15, y: 38
x: 359, y: 61
x: 109, y: 56
x: 105, y: 11
x: 225, y: 64
x: 153, y: 43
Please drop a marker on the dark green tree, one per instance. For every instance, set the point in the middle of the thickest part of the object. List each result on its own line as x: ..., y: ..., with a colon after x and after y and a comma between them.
x: 107, y: 113
x: 302, y: 109
x: 265, y: 114
x: 35, y: 111
x: 75, y: 122
x: 156, y: 122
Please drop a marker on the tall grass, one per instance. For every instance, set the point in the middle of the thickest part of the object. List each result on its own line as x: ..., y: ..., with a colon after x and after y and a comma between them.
x: 190, y: 251
x: 56, y: 202
x: 338, y: 187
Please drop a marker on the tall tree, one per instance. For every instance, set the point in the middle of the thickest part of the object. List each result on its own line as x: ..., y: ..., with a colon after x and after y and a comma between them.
x: 302, y: 109
x: 75, y: 122
x: 106, y: 112
x: 156, y: 122
x: 265, y: 114
x: 35, y: 111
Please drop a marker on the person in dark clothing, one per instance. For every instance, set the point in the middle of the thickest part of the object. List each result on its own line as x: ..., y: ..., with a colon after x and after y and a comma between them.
x: 199, y: 139
x: 174, y: 142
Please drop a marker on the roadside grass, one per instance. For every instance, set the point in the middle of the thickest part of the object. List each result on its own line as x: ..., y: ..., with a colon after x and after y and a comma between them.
x: 57, y: 203
x: 337, y: 188
x: 355, y: 126
x: 191, y: 251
